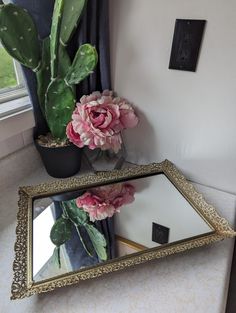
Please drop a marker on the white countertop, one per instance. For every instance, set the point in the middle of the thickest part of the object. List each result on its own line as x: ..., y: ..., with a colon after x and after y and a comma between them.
x: 193, y: 282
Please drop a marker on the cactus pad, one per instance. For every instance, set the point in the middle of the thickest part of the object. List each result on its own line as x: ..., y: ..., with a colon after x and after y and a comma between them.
x: 60, y: 104
x: 98, y: 241
x: 84, y: 63
x: 19, y: 36
x: 56, y: 76
x: 77, y: 216
x: 72, y: 12
x: 55, y: 33
x: 44, y: 74
x: 64, y: 62
x: 61, y: 231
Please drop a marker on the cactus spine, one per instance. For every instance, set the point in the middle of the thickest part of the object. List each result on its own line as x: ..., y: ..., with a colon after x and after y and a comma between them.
x: 56, y: 77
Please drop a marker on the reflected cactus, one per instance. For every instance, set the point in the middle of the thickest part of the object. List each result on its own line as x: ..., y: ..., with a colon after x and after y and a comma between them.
x: 56, y: 76
x: 75, y: 217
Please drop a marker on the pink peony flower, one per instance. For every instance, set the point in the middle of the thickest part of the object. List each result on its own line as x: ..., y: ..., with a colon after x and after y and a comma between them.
x: 75, y: 138
x: 98, y: 121
x: 105, y: 201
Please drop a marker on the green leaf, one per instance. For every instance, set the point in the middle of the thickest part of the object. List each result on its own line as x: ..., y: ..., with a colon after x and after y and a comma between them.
x: 61, y: 231
x: 98, y: 241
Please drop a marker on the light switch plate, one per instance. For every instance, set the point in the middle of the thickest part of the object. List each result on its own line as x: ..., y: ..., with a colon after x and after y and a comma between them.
x: 160, y: 233
x: 186, y: 44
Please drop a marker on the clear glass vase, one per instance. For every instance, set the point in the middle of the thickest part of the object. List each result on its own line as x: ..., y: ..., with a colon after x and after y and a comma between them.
x: 105, y: 160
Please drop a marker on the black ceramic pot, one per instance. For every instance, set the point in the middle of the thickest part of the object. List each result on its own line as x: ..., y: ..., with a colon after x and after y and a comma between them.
x: 60, y: 162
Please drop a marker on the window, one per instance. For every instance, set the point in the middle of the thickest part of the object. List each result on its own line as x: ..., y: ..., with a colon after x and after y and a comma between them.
x: 16, y: 115
x: 7, y: 72
x: 11, y: 80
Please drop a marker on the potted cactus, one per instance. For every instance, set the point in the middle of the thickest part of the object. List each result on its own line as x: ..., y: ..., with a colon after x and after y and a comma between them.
x: 56, y: 75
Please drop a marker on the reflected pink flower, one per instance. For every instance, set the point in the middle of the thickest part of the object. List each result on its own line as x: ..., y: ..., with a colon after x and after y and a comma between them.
x: 125, y: 197
x: 105, y: 201
x: 97, y: 208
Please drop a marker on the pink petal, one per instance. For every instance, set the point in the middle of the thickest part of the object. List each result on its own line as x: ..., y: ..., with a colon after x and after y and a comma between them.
x: 73, y: 136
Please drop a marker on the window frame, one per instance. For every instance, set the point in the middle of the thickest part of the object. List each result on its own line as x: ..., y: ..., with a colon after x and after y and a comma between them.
x: 16, y: 114
x: 16, y: 92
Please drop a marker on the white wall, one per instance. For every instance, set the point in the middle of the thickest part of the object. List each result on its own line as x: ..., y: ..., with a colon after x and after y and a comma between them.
x: 189, y: 118
x: 16, y: 131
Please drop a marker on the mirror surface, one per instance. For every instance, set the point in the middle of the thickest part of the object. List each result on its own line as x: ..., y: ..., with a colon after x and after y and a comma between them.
x: 80, y: 229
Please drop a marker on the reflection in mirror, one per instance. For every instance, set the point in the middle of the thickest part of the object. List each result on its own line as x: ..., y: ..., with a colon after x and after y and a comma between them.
x: 80, y: 229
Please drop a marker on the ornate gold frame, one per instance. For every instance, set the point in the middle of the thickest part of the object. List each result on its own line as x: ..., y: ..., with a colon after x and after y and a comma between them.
x: 23, y: 284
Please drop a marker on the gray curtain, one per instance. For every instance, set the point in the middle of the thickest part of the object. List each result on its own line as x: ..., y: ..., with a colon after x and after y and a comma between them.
x: 93, y: 28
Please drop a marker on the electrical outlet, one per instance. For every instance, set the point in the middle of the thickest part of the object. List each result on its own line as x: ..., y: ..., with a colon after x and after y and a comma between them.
x: 160, y: 233
x: 186, y: 44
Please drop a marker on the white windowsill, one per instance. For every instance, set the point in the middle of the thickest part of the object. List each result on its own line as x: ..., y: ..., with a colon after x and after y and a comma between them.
x: 9, y: 94
x: 14, y: 106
